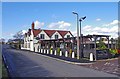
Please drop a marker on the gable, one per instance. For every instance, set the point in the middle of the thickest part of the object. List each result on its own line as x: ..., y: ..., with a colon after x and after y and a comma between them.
x: 68, y: 34
x: 62, y: 33
x: 49, y: 32
x: 43, y: 32
x: 56, y: 33
x: 36, y: 32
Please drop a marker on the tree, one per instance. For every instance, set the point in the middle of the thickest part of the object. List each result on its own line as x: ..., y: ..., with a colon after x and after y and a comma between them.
x: 2, y: 40
x: 101, y: 44
x: 9, y: 41
x: 19, y: 37
x: 119, y: 42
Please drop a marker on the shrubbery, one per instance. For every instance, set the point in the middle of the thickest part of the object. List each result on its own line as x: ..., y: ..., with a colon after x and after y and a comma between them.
x: 118, y: 51
x: 58, y: 50
x: 51, y: 49
x: 113, y: 51
x: 101, y: 45
x: 70, y: 52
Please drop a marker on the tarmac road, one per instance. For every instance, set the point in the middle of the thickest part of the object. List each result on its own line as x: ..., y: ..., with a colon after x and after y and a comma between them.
x: 28, y: 64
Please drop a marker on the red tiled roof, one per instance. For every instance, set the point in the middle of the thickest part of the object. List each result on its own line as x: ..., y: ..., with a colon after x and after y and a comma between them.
x: 70, y: 33
x: 36, y: 32
x: 63, y: 33
x: 49, y: 32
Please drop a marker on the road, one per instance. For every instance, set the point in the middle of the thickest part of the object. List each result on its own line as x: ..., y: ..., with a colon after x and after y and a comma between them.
x: 28, y: 64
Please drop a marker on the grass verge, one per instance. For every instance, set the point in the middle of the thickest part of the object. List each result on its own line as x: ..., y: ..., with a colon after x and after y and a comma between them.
x: 4, y: 71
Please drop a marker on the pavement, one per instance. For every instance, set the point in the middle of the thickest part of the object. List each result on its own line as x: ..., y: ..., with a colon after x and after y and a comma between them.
x: 30, y: 64
x: 111, y: 66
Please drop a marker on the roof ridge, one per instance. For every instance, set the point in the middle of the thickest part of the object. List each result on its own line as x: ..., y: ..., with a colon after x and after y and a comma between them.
x: 55, y: 30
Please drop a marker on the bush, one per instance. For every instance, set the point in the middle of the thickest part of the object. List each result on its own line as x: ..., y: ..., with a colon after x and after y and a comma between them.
x: 58, y: 50
x: 101, y: 45
x: 113, y: 51
x: 70, y: 51
x: 50, y: 49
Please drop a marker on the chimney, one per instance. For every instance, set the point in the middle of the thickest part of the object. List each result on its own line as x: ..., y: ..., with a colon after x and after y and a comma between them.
x: 33, y: 26
x: 29, y: 30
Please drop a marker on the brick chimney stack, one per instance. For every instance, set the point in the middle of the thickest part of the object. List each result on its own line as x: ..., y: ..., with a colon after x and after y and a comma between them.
x: 29, y: 30
x: 33, y: 26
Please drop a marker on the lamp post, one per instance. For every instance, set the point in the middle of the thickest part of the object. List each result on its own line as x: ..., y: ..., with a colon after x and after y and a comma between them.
x: 78, y: 51
x: 81, y: 19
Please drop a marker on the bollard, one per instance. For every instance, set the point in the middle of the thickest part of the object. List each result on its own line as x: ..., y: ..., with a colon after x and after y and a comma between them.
x: 60, y: 53
x: 41, y: 50
x: 55, y: 52
x: 66, y: 54
x: 48, y: 51
x: 44, y: 51
x: 35, y: 50
x: 73, y: 55
x: 91, y: 56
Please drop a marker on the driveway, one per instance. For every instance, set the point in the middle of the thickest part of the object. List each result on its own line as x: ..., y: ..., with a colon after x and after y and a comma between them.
x: 29, y: 64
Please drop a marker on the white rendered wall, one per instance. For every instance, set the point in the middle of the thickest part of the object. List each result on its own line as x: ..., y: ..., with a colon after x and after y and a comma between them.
x: 46, y: 36
x: 31, y: 42
x: 56, y: 33
x: 67, y: 34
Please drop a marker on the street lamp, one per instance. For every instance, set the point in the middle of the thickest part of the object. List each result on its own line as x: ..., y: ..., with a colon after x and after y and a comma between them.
x: 81, y: 19
x: 77, y: 35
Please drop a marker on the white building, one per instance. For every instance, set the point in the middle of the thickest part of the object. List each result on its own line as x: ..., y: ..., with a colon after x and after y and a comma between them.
x: 32, y: 43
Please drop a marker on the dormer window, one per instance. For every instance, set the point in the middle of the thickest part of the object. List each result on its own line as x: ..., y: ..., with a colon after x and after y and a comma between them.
x: 42, y: 36
x: 68, y: 36
x: 56, y: 36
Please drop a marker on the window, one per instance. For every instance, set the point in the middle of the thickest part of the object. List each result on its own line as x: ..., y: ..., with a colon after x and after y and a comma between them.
x: 68, y: 36
x: 42, y: 36
x: 56, y: 36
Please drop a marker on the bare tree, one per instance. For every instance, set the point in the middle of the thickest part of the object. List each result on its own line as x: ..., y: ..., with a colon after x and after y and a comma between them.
x: 2, y: 40
x: 19, y: 38
x: 19, y: 35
